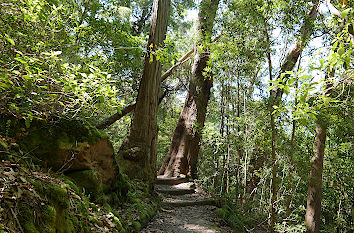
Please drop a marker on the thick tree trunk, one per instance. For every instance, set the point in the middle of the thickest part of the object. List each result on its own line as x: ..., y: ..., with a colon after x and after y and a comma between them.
x: 183, y: 153
x: 126, y: 110
x: 313, y: 211
x: 137, y: 155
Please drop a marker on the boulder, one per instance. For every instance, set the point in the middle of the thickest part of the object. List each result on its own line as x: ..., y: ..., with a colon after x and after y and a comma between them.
x: 65, y: 145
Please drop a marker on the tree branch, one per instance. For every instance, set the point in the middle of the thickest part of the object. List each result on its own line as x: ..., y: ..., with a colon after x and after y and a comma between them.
x: 180, y: 61
x: 126, y: 110
x: 333, y: 10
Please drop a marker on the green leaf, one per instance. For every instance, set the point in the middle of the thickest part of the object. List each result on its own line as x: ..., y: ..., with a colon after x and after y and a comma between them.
x: 101, y: 99
x: 28, y: 122
x: 345, y: 12
x: 341, y: 51
x: 3, y: 86
x: 271, y: 88
x: 291, y: 80
x: 11, y: 41
x: 286, y: 89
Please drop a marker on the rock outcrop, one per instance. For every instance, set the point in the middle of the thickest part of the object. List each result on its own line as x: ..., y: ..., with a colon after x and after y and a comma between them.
x: 67, y: 146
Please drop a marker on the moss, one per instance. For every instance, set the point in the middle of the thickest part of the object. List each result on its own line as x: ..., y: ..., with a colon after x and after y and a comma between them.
x: 49, y: 215
x: 38, y: 186
x: 88, y: 181
x: 57, y: 195
x: 45, y: 136
x: 70, y: 183
x: 29, y: 227
x: 25, y: 214
x: 136, y: 225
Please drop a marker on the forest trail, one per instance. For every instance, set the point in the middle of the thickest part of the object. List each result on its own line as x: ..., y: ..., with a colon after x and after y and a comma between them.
x: 186, y: 209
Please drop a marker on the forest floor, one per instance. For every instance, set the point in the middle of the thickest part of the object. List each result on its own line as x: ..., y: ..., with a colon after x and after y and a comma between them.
x: 186, y: 209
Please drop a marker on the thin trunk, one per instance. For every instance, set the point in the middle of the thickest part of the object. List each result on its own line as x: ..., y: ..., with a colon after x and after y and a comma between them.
x: 137, y: 155
x: 313, y: 210
x: 291, y: 171
x: 291, y: 154
x: 228, y: 155
x: 246, y: 148
x: 216, y: 175
x: 314, y: 195
x: 239, y: 150
x: 222, y: 127
x: 183, y: 153
x: 272, y: 125
x: 227, y: 116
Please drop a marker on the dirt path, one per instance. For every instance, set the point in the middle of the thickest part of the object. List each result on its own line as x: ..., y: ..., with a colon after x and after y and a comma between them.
x: 185, y: 210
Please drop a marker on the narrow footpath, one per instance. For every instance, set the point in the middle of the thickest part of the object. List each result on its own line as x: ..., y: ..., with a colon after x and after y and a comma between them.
x: 186, y: 209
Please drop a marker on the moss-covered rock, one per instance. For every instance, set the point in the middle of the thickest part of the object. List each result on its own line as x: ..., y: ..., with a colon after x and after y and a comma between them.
x: 57, y: 195
x: 29, y: 227
x: 88, y: 181
x: 49, y: 215
x: 64, y: 145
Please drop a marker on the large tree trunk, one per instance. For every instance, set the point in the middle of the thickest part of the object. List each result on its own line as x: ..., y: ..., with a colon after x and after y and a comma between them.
x: 115, y: 117
x: 137, y: 155
x: 183, y: 153
x: 314, y: 196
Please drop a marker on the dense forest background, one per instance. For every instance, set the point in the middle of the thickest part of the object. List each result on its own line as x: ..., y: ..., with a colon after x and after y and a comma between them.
x: 279, y: 71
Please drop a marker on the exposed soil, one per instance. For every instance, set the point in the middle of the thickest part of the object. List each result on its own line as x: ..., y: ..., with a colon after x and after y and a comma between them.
x: 194, y: 214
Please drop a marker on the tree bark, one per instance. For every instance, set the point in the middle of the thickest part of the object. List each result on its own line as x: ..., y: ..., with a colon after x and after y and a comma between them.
x: 137, y: 155
x: 290, y: 60
x: 313, y: 211
x: 126, y: 110
x: 314, y: 195
x: 183, y: 153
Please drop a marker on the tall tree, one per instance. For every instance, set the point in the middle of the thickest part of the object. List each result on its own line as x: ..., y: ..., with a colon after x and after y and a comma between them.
x: 137, y: 155
x: 314, y: 195
x: 313, y: 211
x: 183, y: 153
x: 287, y: 64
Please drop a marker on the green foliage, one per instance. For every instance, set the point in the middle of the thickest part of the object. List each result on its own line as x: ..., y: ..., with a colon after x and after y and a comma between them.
x: 51, y: 64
